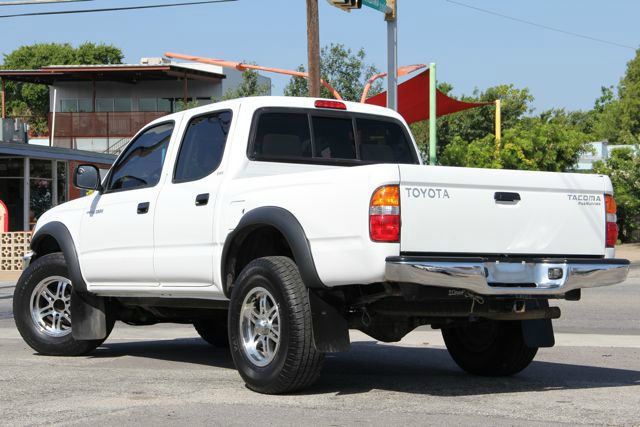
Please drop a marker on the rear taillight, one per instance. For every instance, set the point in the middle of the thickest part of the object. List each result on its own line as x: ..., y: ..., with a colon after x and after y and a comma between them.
x: 612, y: 218
x: 384, y: 214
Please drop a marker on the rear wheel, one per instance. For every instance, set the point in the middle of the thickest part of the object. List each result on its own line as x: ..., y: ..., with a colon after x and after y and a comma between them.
x: 270, y: 328
x: 489, y: 347
x: 42, y: 309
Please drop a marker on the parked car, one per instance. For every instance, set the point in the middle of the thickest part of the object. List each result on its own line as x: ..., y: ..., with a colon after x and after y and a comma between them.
x: 276, y: 224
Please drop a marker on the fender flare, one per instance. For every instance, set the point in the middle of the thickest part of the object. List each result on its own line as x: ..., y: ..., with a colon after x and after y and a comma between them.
x: 287, y: 224
x: 60, y: 233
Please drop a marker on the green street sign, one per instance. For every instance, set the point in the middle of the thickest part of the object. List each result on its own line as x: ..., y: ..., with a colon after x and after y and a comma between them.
x: 379, y: 5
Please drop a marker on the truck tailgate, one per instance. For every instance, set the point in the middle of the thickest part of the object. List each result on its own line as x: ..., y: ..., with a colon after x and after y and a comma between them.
x: 451, y: 210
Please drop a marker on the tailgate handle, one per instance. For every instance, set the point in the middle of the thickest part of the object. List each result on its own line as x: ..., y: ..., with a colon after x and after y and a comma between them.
x: 502, y: 196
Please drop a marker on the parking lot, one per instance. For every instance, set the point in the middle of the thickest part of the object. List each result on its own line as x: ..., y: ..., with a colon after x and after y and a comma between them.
x: 164, y: 374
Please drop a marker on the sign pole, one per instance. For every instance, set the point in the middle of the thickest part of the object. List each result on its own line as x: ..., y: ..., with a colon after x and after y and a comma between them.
x: 432, y: 114
x: 392, y: 54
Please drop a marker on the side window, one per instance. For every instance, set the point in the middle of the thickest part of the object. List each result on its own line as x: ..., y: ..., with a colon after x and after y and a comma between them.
x: 282, y: 136
x: 140, y: 165
x: 202, y: 147
x: 383, y: 142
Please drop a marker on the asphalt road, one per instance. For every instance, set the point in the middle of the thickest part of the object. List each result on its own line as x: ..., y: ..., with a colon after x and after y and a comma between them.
x: 165, y: 375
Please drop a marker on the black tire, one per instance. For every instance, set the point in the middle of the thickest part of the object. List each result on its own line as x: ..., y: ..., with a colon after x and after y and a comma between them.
x: 296, y: 364
x: 214, y: 329
x: 47, y: 266
x: 489, y: 348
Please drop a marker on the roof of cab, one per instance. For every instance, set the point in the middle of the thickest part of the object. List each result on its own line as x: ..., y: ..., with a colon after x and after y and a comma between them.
x: 256, y: 102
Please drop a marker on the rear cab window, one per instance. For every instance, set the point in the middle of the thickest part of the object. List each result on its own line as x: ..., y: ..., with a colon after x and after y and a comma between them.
x: 328, y: 137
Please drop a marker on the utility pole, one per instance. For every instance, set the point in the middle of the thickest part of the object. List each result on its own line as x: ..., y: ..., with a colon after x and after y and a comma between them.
x: 391, y: 16
x: 313, y: 48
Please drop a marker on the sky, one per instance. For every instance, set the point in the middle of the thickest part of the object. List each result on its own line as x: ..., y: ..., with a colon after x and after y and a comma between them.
x: 472, y: 49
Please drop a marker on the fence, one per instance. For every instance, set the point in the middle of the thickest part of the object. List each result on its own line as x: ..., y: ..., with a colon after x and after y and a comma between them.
x: 13, y: 246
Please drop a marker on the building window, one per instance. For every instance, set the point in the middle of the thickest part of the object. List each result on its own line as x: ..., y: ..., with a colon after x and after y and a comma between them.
x: 85, y: 105
x: 148, y: 104
x: 62, y: 182
x: 40, y: 188
x: 164, y: 105
x: 75, y: 105
x: 12, y: 190
x: 104, y: 105
x: 122, y: 104
x: 155, y: 104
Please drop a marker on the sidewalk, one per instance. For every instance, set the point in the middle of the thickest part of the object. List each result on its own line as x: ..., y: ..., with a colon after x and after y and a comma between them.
x: 630, y: 251
x: 9, y: 276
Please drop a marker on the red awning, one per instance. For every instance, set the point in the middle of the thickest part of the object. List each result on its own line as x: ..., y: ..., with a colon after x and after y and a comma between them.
x: 413, y: 100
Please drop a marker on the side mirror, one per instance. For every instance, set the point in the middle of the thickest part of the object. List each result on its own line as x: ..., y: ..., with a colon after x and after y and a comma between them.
x: 87, y: 177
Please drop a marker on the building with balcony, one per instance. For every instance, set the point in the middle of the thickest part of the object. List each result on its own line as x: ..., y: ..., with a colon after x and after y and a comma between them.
x: 100, y: 107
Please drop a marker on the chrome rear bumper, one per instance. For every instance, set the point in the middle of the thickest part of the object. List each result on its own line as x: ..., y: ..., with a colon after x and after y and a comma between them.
x: 513, y: 277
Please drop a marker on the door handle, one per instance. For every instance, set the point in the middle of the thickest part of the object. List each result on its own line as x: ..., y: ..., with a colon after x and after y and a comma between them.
x: 502, y: 196
x: 143, y: 208
x: 202, y: 199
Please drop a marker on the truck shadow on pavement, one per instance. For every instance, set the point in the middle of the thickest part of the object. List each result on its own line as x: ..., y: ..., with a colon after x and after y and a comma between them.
x: 370, y: 365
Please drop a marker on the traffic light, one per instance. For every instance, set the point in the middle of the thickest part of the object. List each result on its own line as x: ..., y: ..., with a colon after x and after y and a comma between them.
x: 346, y: 5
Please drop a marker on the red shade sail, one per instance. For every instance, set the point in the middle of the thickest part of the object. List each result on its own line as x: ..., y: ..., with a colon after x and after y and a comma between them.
x: 413, y: 100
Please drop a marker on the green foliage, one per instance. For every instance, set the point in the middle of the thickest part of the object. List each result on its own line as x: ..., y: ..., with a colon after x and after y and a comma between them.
x: 182, y: 105
x: 249, y: 87
x: 32, y: 100
x: 629, y: 95
x: 547, y: 142
x: 623, y: 167
x: 346, y: 71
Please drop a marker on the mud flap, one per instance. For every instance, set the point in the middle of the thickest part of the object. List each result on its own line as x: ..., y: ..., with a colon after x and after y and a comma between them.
x: 538, y: 333
x: 330, y: 329
x: 89, y: 321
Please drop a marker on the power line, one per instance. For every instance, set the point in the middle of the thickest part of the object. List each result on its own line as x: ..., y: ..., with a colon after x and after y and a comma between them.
x: 115, y: 9
x: 28, y: 2
x: 546, y: 27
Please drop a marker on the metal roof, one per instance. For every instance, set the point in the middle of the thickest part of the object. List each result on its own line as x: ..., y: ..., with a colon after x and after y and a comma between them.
x: 54, y: 153
x: 126, y: 73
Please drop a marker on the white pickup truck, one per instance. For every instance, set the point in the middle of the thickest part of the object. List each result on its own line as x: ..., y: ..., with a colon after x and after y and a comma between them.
x: 276, y: 224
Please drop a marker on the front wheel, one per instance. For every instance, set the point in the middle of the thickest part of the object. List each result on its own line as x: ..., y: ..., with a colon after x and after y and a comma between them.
x: 42, y: 309
x: 270, y: 328
x: 489, y: 347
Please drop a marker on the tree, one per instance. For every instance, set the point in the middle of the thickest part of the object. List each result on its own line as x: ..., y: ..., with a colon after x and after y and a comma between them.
x: 629, y: 95
x: 32, y: 100
x: 548, y: 142
x: 250, y: 86
x: 623, y: 167
x: 346, y: 71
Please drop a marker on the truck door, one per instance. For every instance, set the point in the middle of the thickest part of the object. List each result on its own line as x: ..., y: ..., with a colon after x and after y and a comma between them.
x: 185, y: 211
x: 116, y: 232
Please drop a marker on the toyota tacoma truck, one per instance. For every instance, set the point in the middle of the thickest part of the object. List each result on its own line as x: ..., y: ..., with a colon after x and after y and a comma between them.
x: 276, y: 224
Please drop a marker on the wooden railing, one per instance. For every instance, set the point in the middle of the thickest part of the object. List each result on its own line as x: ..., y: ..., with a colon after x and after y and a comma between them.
x: 70, y: 126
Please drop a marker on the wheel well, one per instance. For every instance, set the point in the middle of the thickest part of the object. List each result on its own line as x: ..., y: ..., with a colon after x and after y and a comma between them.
x: 47, y: 245
x: 254, y: 242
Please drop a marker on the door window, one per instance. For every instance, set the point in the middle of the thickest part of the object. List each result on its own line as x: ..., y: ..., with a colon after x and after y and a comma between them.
x: 141, y: 163
x: 202, y: 147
